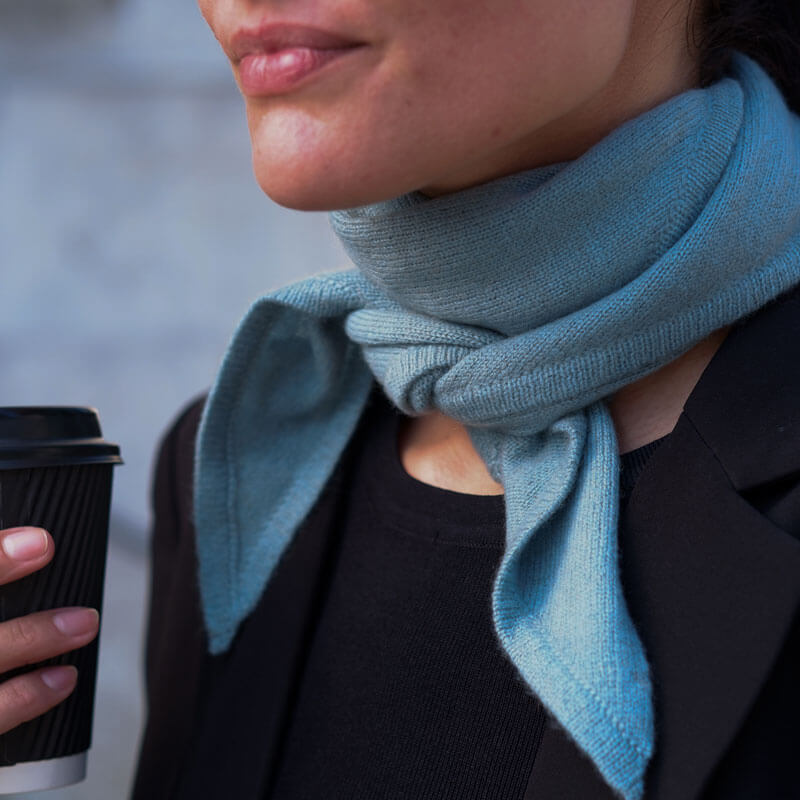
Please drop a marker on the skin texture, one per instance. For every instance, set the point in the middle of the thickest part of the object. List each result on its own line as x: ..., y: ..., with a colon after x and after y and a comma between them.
x: 446, y: 94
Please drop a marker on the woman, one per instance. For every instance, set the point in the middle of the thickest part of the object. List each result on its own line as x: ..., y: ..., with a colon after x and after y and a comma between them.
x: 577, y: 245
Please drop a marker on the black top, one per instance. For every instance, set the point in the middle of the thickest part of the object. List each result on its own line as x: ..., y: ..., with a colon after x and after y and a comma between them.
x: 405, y: 677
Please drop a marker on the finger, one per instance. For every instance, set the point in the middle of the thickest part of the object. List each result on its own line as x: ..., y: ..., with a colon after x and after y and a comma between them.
x: 35, y: 637
x: 27, y: 696
x: 22, y: 551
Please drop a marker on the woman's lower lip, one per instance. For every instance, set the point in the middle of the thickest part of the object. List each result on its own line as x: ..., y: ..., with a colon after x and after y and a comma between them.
x: 263, y: 74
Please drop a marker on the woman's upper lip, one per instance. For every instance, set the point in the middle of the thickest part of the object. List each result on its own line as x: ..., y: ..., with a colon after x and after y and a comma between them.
x: 272, y: 37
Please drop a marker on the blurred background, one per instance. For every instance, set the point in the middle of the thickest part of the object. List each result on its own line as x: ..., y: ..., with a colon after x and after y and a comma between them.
x: 133, y: 238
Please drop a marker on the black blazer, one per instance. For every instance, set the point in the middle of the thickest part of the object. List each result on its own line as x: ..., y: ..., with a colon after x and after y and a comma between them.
x: 710, y: 544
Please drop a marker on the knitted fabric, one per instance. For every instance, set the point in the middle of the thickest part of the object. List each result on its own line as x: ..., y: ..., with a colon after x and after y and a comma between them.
x: 514, y: 307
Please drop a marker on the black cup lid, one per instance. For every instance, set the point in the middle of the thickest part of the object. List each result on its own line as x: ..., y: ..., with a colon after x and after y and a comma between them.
x: 44, y: 436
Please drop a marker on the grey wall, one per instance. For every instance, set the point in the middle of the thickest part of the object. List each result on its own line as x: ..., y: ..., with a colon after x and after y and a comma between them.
x: 133, y: 237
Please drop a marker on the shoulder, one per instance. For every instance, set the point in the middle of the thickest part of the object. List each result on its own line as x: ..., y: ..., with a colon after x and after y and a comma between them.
x: 176, y: 445
x: 171, y: 490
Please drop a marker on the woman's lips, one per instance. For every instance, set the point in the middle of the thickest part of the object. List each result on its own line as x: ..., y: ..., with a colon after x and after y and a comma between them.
x: 264, y: 74
x: 273, y: 59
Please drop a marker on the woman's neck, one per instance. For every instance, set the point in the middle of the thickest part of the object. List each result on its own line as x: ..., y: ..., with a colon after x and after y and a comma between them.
x: 438, y: 451
x: 648, y: 409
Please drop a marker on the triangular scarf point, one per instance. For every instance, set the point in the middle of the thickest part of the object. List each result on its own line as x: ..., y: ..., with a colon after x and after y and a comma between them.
x: 516, y: 307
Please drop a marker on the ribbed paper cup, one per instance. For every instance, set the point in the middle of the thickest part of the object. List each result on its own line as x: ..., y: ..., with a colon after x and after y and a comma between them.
x: 55, y: 473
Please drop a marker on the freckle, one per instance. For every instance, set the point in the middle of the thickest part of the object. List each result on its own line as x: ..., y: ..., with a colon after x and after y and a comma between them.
x: 496, y: 131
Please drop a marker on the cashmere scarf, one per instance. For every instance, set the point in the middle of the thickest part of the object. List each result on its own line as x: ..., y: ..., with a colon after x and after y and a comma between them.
x: 516, y: 307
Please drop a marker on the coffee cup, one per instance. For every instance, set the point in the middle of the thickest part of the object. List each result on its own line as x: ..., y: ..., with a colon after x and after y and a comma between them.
x: 56, y: 474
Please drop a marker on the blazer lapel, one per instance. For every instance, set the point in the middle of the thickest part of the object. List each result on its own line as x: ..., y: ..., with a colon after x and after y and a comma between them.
x: 712, y: 582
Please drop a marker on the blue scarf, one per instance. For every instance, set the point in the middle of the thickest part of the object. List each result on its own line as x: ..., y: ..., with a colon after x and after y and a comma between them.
x: 515, y: 307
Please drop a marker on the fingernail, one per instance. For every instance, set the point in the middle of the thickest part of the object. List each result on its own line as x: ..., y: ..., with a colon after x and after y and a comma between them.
x: 76, y: 621
x: 59, y: 678
x: 26, y: 544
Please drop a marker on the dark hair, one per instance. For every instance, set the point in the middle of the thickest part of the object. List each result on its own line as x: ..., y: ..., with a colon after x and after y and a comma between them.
x: 766, y: 30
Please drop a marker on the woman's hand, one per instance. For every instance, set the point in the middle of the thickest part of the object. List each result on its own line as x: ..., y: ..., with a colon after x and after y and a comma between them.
x: 36, y: 637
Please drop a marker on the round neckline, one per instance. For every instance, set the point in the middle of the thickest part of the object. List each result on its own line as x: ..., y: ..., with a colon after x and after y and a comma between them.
x: 418, y: 506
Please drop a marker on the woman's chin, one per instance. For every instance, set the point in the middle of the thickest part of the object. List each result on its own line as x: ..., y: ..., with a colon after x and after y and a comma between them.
x: 334, y: 158
x: 323, y: 189
x: 300, y: 198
